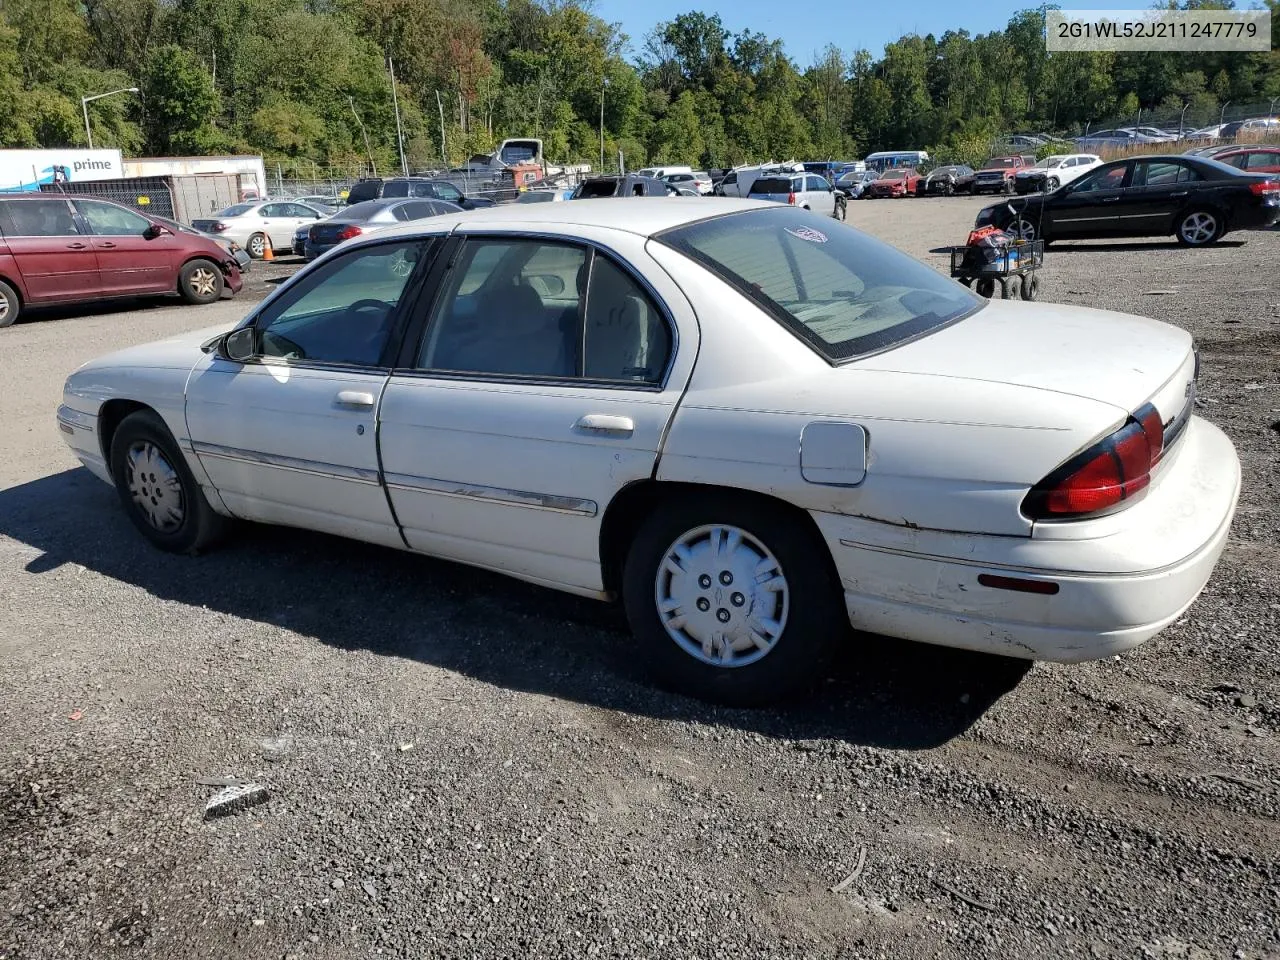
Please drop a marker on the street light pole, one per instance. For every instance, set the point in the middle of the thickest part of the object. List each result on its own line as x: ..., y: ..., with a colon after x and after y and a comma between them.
x: 84, y: 108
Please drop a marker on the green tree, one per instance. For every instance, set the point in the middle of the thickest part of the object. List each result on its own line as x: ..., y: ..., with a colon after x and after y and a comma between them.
x: 180, y: 101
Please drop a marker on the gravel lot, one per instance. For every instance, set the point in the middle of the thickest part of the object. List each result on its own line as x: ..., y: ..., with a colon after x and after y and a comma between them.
x: 464, y: 766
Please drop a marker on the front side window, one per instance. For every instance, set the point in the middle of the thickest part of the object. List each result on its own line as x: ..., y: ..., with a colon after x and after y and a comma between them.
x: 108, y: 220
x: 300, y: 212
x: 343, y: 312
x: 544, y: 309
x: 447, y: 191
x: 1111, y: 179
x: 839, y: 290
x: 37, y: 218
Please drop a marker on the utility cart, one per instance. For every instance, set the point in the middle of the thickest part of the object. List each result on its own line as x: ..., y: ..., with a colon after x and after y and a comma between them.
x: 1013, y: 267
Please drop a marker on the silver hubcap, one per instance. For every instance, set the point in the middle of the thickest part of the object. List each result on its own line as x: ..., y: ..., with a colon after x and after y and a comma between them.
x: 203, y: 282
x: 256, y: 246
x: 1199, y: 228
x: 155, y: 486
x: 1024, y: 230
x: 722, y: 596
x: 4, y: 307
x: 1052, y: 183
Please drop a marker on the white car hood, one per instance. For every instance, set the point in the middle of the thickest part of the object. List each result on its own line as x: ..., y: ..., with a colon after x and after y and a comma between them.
x: 1116, y: 358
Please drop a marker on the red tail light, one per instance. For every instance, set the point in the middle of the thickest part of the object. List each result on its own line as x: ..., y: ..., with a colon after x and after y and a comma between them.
x: 349, y: 231
x: 1263, y: 187
x: 1104, y: 476
x: 218, y: 227
x: 791, y: 198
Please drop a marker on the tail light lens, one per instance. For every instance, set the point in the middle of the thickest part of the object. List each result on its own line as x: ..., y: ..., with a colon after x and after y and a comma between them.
x: 791, y: 198
x: 349, y: 231
x: 1263, y: 187
x: 1103, y: 477
x: 219, y: 227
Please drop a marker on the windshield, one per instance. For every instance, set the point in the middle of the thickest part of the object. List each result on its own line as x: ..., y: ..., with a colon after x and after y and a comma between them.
x: 236, y: 210
x: 842, y: 292
x: 893, y: 175
x: 1003, y: 163
x: 1048, y: 163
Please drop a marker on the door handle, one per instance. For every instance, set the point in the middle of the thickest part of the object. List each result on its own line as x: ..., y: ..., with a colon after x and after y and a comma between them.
x: 75, y: 246
x: 1110, y: 199
x: 354, y: 398
x: 107, y: 246
x: 601, y: 423
x: 1180, y: 193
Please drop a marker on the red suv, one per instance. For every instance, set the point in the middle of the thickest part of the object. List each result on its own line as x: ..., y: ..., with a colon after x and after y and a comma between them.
x: 62, y: 249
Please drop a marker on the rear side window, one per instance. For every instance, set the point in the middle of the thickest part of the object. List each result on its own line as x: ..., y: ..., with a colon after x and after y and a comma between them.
x: 395, y: 188
x: 771, y: 185
x: 362, y: 192
x: 839, y: 290
x: 37, y: 218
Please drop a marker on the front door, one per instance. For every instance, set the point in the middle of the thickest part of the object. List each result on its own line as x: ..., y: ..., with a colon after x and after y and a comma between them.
x: 541, y: 385
x: 52, y: 251
x: 291, y: 436
x: 129, y: 261
x: 281, y: 219
x: 1089, y: 207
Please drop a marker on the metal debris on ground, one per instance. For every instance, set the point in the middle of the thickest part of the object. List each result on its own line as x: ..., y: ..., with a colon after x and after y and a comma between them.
x: 962, y: 897
x: 857, y: 872
x: 231, y: 800
x: 221, y: 781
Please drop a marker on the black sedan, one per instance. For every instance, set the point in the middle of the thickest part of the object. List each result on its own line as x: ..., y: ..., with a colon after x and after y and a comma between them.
x: 1195, y: 199
x: 953, y: 178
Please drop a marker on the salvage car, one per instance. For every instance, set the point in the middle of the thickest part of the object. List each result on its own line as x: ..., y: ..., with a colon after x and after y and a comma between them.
x: 59, y: 249
x: 996, y: 175
x: 260, y: 226
x: 1195, y: 199
x: 896, y: 182
x: 361, y: 218
x: 1252, y: 159
x: 754, y: 425
x: 951, y: 179
x: 1052, y: 172
x: 854, y: 183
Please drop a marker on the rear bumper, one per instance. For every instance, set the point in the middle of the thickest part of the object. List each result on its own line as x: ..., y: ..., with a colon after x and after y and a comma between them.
x: 1118, y: 585
x: 1256, y: 217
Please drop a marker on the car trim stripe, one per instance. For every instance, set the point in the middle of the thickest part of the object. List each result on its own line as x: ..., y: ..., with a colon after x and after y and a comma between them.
x: 67, y: 416
x: 316, y: 468
x: 474, y: 491
x: 1008, y: 567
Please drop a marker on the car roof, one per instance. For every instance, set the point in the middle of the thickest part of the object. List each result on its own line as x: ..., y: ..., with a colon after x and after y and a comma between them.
x: 643, y: 216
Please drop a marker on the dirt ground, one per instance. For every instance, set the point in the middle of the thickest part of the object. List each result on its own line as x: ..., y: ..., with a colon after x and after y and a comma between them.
x: 465, y: 766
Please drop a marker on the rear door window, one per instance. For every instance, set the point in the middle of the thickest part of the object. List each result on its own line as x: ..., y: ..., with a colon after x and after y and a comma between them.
x: 37, y: 218
x: 395, y: 188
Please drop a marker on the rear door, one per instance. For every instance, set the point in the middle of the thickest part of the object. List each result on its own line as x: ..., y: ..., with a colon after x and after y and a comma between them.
x: 1157, y: 191
x: 53, y: 252
x: 129, y: 261
x: 1089, y: 207
x: 541, y: 384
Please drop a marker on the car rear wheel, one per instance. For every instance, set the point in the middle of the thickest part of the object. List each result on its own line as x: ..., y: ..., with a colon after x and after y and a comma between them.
x: 733, y: 600
x: 157, y: 489
x: 9, y: 305
x: 257, y: 246
x: 200, y: 281
x: 1199, y: 228
x: 1024, y: 229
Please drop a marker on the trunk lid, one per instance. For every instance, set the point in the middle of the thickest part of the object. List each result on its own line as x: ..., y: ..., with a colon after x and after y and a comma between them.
x: 1116, y: 358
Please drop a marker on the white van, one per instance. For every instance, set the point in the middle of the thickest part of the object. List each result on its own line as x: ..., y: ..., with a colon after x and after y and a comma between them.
x: 737, y: 182
x: 890, y: 159
x: 659, y: 172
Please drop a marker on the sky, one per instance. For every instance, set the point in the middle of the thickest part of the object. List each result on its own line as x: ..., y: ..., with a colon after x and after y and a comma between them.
x: 806, y: 28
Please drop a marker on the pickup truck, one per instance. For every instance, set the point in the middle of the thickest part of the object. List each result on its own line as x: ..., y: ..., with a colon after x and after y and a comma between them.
x: 997, y: 174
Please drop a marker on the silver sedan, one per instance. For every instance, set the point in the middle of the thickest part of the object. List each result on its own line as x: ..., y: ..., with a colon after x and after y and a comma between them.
x: 260, y: 225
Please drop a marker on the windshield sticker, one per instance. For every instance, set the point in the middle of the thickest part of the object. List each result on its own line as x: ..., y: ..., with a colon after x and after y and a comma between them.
x: 807, y: 233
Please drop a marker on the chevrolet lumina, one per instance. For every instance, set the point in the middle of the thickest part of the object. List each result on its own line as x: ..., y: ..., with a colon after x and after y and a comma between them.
x: 755, y: 426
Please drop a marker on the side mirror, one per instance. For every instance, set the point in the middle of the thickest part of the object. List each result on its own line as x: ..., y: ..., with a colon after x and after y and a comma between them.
x: 240, y: 345
x: 155, y: 230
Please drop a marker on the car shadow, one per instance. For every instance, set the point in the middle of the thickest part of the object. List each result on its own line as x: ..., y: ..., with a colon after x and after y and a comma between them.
x: 878, y: 692
x: 1136, y: 246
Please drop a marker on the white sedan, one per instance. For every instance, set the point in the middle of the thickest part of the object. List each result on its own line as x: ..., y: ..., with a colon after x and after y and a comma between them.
x: 1055, y: 171
x: 753, y: 424
x: 261, y: 225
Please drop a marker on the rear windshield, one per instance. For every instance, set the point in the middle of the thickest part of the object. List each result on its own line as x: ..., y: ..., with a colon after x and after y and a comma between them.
x: 363, y: 191
x: 360, y: 211
x: 842, y: 292
x: 236, y: 210
x: 772, y: 185
x: 1001, y: 164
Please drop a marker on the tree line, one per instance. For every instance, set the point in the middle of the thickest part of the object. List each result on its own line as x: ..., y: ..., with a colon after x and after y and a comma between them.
x: 307, y: 82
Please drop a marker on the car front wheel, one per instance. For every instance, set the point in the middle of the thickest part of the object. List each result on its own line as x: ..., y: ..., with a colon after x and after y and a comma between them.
x: 733, y: 600
x: 200, y: 281
x: 9, y: 305
x: 157, y: 488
